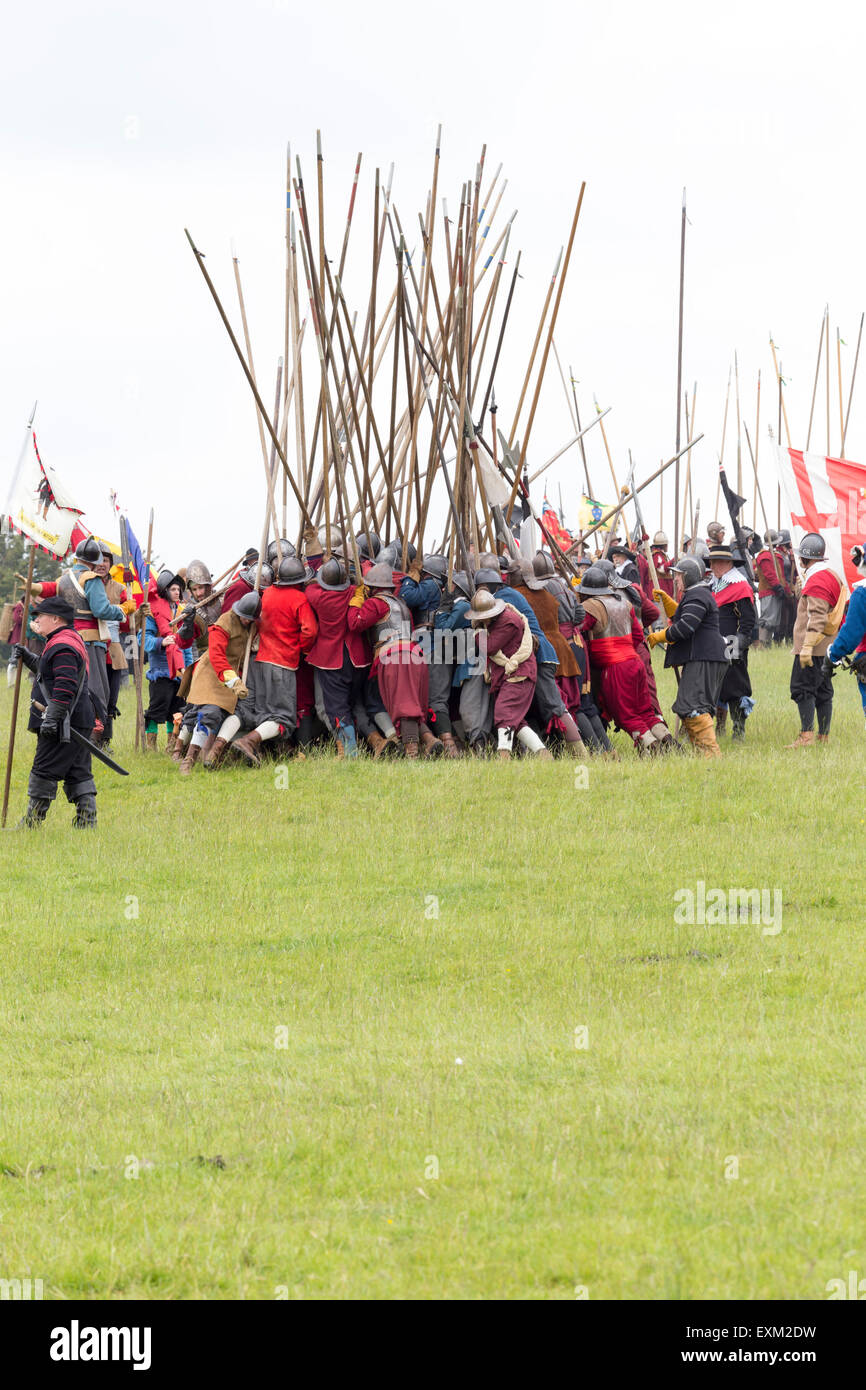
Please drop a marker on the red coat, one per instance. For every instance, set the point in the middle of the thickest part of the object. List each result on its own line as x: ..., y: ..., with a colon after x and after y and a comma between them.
x: 331, y: 607
x: 663, y: 567
x: 287, y: 626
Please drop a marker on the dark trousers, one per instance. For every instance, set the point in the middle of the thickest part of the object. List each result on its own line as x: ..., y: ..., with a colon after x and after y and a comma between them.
x: 164, y: 701
x: 55, y: 762
x: 342, y: 690
x: 812, y: 691
x: 439, y: 697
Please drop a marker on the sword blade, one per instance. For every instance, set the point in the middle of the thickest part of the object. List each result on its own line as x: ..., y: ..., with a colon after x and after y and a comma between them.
x: 98, y: 753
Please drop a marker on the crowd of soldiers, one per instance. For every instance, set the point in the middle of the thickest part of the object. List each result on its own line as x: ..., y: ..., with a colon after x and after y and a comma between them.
x: 299, y: 652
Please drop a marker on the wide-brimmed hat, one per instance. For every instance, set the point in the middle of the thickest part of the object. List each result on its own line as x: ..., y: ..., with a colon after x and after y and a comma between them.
x: 484, y: 606
x: 56, y: 607
x: 721, y: 552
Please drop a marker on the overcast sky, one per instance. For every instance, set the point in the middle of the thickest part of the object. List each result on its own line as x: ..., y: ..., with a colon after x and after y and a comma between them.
x: 124, y: 123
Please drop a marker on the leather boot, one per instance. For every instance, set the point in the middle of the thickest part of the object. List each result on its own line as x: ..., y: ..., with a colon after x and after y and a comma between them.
x: 431, y: 746
x: 214, y: 753
x: 804, y: 738
x: 150, y: 741
x: 823, y: 738
x: 37, y: 810
x: 409, y: 737
x: 248, y: 746
x: 189, y: 762
x: 448, y: 743
x: 171, y: 742
x: 721, y: 718
x: 85, y: 812
x: 576, y: 746
x: 377, y: 743
x: 702, y: 734
x: 179, y: 752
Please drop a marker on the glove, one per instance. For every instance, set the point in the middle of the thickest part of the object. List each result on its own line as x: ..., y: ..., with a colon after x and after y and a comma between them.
x: 827, y: 666
x: 415, y: 572
x: 128, y: 606
x: 240, y: 689
x: 578, y: 615
x: 806, y: 657
x: 53, y: 720
x: 656, y: 637
x: 357, y: 599
x: 778, y: 591
x: 668, y: 604
x: 230, y: 678
x: 29, y: 659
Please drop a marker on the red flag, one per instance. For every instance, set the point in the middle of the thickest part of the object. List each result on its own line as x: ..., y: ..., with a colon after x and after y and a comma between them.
x: 826, y: 495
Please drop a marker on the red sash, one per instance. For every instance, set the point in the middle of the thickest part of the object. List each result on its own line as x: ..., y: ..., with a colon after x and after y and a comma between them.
x: 607, y: 651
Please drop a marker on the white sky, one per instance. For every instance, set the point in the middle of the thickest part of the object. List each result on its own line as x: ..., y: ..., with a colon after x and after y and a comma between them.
x: 123, y: 123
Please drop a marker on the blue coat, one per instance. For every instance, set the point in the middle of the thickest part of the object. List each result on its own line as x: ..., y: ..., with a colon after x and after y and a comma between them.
x: 853, y: 630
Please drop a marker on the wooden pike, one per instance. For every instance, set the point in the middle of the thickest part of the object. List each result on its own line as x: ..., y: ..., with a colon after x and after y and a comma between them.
x: 236, y: 345
x: 600, y: 412
x: 249, y: 350
x: 16, y: 695
x: 824, y: 323
x: 776, y: 566
x: 722, y: 451
x: 851, y: 391
x: 538, y: 332
x: 269, y: 506
x: 550, y: 333
x: 841, y: 404
x: 778, y: 370
x: 627, y: 496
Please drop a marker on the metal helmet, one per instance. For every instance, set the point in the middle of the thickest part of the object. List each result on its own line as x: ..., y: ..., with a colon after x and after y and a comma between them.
x: 772, y: 537
x: 388, y: 554
x: 692, y: 569
x: 278, y: 548
x: 784, y: 538
x: 701, y: 550
x: 290, y: 571
x: 436, y: 566
x: 660, y: 540
x: 248, y: 573
x: 460, y: 582
x: 164, y: 581
x: 811, y: 547
x: 488, y: 577
x: 716, y: 532
x: 596, y: 580
x: 379, y: 576
x: 484, y: 606
x: 364, y: 546
x: 266, y: 578
x: 248, y: 606
x: 333, y: 575
x: 542, y: 565
x: 197, y: 573
x: 607, y: 566
x: 106, y: 551
x: 89, y: 551
x: 488, y: 561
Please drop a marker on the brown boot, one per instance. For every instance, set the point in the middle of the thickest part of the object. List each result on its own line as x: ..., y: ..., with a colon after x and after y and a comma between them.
x: 248, y: 746
x: 823, y: 738
x: 150, y: 741
x: 377, y: 742
x: 179, y: 752
x: 702, y: 734
x: 803, y: 739
x: 214, y: 752
x: 171, y: 743
x: 575, y: 744
x: 431, y: 746
x: 448, y: 743
x: 190, y: 760
x: 721, y: 718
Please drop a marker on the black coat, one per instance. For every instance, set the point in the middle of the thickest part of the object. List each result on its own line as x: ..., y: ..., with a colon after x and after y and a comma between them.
x: 693, y: 632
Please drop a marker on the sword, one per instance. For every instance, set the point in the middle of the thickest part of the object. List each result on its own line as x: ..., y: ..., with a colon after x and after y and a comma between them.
x: 85, y: 743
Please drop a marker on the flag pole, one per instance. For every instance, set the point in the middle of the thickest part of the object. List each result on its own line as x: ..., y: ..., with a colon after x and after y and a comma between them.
x: 28, y: 585
x: 679, y: 380
x: 815, y: 386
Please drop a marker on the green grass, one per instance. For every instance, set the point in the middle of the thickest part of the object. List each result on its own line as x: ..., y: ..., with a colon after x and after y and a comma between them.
x: 308, y: 1169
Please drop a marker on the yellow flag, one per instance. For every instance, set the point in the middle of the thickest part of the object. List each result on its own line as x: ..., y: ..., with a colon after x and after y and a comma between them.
x: 591, y: 512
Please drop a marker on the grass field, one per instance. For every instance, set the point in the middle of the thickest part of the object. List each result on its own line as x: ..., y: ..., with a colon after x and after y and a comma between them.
x: 432, y: 1031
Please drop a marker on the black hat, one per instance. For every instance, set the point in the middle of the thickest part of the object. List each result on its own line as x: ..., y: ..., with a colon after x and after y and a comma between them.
x: 58, y: 606
x: 721, y: 552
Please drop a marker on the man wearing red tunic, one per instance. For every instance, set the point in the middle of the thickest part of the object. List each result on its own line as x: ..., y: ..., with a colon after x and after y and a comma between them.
x: 614, y: 631
x: 819, y: 617
x: 511, y: 671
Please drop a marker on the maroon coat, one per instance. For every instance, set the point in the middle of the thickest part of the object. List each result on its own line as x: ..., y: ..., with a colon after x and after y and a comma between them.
x: 236, y: 590
x: 404, y: 680
x: 331, y: 607
x: 511, y: 699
